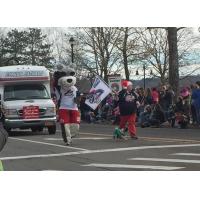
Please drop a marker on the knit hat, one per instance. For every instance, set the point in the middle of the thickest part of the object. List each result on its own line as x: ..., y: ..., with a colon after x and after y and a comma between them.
x: 126, y: 83
x: 129, y: 83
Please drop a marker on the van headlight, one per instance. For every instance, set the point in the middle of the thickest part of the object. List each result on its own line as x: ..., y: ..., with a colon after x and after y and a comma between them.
x: 10, y: 112
x: 51, y: 111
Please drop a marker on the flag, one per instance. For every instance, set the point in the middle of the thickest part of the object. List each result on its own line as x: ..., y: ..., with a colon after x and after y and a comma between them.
x: 98, y: 93
x: 115, y: 82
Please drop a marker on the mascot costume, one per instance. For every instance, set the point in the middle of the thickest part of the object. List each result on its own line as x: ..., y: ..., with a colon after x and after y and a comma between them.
x: 67, y: 98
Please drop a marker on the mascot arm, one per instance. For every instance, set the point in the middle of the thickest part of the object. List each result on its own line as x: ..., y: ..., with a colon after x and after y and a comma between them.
x: 57, y: 93
x: 77, y: 99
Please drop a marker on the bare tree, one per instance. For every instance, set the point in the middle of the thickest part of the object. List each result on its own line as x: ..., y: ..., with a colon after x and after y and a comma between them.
x: 59, y: 37
x: 187, y: 40
x: 2, y: 48
x: 116, y: 50
x: 56, y: 36
x: 155, y: 47
x: 128, y: 46
x: 102, y: 53
x: 156, y: 40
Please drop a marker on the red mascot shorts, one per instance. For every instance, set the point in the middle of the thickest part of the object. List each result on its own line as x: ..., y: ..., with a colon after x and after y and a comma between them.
x: 69, y: 116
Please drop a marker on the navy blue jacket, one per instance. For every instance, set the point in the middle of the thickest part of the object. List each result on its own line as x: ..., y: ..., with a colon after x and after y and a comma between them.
x: 196, y: 97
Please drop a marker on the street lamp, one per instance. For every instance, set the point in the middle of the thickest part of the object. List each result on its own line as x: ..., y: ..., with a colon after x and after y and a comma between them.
x: 144, y: 74
x: 72, y: 43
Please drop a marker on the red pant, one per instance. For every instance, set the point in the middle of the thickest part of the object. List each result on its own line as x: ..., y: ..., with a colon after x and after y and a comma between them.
x: 69, y: 116
x: 130, y: 119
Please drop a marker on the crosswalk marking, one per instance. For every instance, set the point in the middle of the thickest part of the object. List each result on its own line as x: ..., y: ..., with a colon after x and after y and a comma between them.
x: 164, y: 139
x: 132, y: 166
x: 82, y: 138
x: 53, y: 139
x: 94, y: 134
x: 186, y: 154
x: 95, y: 151
x: 39, y: 156
x: 167, y: 160
x: 170, y: 139
x: 50, y: 144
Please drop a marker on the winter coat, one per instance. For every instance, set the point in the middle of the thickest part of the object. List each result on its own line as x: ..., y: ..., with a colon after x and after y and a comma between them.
x: 127, y: 107
x: 155, y: 96
x: 196, y: 98
x: 3, y: 136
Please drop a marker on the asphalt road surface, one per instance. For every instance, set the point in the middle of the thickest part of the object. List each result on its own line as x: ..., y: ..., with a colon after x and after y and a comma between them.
x: 156, y: 149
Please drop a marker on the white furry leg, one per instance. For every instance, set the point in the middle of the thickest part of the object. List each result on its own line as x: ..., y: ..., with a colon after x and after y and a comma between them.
x: 63, y: 133
x: 74, y: 129
x: 68, y: 133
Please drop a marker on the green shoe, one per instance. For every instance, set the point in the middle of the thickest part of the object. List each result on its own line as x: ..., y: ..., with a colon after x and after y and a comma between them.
x: 117, y: 133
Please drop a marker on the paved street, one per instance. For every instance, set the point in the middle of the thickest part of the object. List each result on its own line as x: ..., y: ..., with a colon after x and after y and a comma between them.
x: 156, y: 149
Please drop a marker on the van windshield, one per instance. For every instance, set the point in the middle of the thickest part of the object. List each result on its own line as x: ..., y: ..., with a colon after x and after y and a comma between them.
x: 23, y: 92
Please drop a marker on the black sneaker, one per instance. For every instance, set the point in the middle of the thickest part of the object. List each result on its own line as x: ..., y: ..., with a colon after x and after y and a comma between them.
x: 126, y: 129
x: 134, y: 137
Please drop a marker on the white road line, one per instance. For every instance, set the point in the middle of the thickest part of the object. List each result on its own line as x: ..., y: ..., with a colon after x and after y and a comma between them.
x: 83, y: 138
x: 98, y: 134
x: 141, y: 148
x: 95, y: 134
x: 169, y: 139
x: 133, y: 166
x: 145, y: 138
x: 103, y: 151
x: 167, y: 160
x: 44, y: 143
x: 53, y: 139
x: 186, y: 154
x: 39, y: 156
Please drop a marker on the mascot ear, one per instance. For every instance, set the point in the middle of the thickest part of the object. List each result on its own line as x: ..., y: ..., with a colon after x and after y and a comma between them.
x: 71, y: 69
x: 70, y: 72
x: 60, y: 67
x: 60, y: 81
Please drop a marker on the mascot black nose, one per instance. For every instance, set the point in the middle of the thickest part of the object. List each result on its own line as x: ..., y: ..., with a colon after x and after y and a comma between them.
x: 69, y: 80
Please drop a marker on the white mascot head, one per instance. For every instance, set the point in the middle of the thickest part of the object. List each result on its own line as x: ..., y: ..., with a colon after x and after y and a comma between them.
x: 66, y: 82
x: 64, y: 77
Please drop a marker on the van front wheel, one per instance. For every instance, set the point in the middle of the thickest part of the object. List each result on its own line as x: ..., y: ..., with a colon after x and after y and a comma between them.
x: 8, y: 131
x: 52, y: 130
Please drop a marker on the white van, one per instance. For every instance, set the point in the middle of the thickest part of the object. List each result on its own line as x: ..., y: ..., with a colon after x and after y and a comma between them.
x: 25, y: 98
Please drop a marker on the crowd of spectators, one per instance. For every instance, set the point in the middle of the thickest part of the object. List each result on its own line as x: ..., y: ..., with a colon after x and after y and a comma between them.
x: 157, y: 107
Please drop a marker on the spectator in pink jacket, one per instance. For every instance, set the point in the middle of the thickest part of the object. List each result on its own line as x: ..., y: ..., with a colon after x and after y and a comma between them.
x: 155, y: 95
